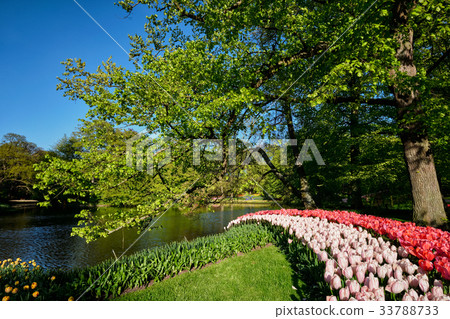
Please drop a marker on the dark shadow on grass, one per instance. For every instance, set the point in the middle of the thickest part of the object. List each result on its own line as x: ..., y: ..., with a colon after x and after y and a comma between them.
x: 307, y: 271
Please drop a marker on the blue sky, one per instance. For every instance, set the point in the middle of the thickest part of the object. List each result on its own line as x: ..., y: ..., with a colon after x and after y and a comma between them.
x: 35, y: 36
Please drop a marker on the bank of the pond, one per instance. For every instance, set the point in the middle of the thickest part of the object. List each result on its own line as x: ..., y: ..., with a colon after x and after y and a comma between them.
x: 44, y: 234
x: 112, y: 277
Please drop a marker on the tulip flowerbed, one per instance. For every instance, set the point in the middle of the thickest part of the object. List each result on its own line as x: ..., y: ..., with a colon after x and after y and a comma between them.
x: 367, y: 257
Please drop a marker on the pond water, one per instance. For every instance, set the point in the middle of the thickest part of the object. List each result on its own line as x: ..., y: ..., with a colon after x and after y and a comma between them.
x: 44, y: 234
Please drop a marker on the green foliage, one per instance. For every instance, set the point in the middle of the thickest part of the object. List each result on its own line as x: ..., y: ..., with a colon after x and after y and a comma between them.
x: 17, y: 157
x: 239, y: 72
x: 68, y: 148
x: 99, y: 174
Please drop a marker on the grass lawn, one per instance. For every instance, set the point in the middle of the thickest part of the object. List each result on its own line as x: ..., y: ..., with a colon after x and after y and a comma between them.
x: 262, y: 274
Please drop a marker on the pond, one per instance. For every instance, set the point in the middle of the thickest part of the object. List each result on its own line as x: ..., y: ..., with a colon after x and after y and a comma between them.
x: 44, y: 234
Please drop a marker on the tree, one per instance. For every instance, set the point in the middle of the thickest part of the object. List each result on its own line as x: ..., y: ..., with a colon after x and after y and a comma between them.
x: 67, y: 148
x: 246, y: 71
x: 17, y: 157
x: 99, y: 174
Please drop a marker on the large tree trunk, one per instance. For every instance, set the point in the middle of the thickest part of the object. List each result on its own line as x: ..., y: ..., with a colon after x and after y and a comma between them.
x: 428, y: 206
x: 306, y: 196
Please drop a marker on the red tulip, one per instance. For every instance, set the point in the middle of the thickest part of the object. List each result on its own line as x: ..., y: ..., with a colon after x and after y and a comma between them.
x: 426, y: 265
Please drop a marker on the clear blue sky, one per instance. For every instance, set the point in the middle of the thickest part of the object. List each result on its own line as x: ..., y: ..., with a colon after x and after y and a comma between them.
x: 35, y: 36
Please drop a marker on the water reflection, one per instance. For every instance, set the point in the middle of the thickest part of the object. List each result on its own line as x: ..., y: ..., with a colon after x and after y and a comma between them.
x: 44, y: 234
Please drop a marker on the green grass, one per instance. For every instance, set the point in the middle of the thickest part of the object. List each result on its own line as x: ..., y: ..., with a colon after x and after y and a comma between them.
x: 262, y: 274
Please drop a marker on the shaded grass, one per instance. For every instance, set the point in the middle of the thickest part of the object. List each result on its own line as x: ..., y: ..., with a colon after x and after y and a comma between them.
x: 262, y: 274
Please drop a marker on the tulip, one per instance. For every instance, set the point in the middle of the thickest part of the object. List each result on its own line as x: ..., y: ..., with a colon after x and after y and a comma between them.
x: 397, y: 287
x: 438, y: 283
x: 327, y: 276
x: 342, y: 262
x: 379, y: 294
x: 410, y: 269
x: 426, y: 265
x: 353, y: 287
x: 335, y: 282
x: 344, y: 294
x: 437, y: 291
x: 331, y: 298
x: 407, y: 297
x: 413, y: 294
x: 381, y: 272
x: 330, y: 265
x: 424, y: 285
x: 362, y: 268
x: 348, y: 272
x: 402, y: 252
x: 371, y: 282
x: 360, y: 276
x: 379, y: 258
x: 412, y: 281
x: 398, y: 274
x: 372, y: 267
x: 322, y: 256
x: 389, y: 258
x: 361, y: 296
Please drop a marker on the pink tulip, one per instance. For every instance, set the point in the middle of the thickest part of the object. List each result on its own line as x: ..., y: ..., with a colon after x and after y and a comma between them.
x: 289, y: 240
x: 352, y: 260
x: 379, y: 258
x: 360, y: 276
x: 329, y: 265
x: 407, y: 297
x: 379, y: 294
x: 362, y: 268
x: 372, y: 267
x: 437, y: 291
x: 360, y: 296
x: 397, y: 287
x: 331, y: 298
x: 438, y: 283
x: 410, y: 269
x: 344, y: 294
x: 327, y: 276
x: 412, y: 281
x: 413, y: 294
x: 353, y: 287
x: 348, y: 272
x: 335, y: 282
x: 423, y: 284
x: 388, y: 257
x: 398, y: 274
x: 371, y: 282
x: 342, y: 262
x: 322, y: 256
x: 402, y: 252
x: 381, y: 272
x: 389, y: 271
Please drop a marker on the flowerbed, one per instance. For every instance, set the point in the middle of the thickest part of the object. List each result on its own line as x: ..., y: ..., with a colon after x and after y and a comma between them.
x: 362, y: 266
